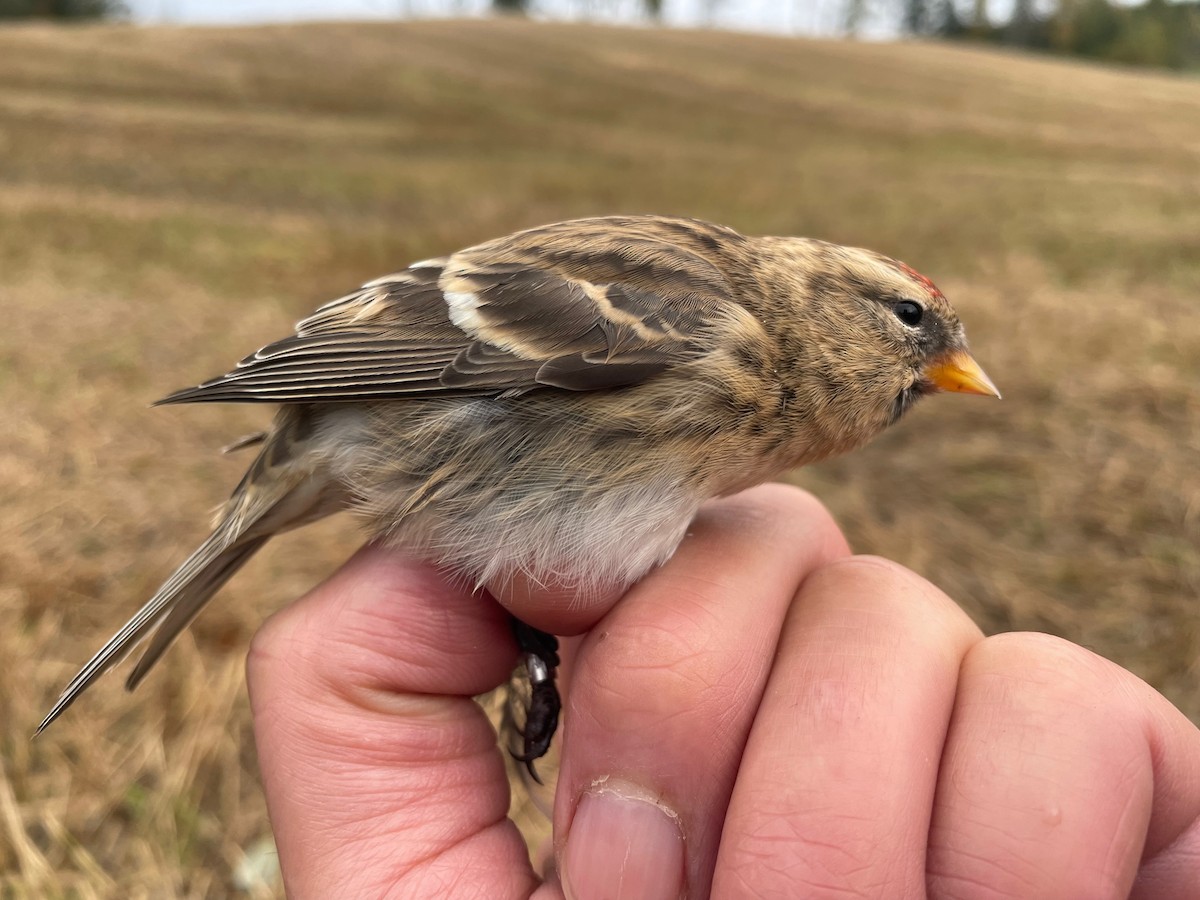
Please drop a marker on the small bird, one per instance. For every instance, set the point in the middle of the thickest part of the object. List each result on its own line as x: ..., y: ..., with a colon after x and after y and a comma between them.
x: 557, y: 404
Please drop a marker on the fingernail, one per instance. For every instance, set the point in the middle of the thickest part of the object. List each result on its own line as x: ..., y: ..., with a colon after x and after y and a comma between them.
x: 623, y: 845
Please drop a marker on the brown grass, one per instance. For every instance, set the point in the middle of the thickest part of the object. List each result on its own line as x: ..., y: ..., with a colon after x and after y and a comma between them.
x: 173, y: 198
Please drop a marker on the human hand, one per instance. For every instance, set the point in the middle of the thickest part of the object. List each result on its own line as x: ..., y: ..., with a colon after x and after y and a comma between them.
x: 762, y: 716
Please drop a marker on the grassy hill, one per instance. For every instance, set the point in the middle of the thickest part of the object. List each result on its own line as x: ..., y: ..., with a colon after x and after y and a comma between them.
x: 172, y: 198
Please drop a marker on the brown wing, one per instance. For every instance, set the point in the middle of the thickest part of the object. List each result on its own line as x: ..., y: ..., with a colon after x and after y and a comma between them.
x: 583, y: 305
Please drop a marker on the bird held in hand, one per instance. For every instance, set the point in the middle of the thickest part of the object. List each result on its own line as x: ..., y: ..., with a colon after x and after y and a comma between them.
x: 556, y: 404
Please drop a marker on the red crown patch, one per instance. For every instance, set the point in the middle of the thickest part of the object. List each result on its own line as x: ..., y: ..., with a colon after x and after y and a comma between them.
x: 918, y: 277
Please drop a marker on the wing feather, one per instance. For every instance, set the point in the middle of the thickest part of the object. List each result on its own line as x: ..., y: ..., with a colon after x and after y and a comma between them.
x: 580, y: 306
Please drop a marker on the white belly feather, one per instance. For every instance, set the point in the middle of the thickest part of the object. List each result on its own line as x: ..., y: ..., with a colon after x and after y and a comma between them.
x: 531, y: 514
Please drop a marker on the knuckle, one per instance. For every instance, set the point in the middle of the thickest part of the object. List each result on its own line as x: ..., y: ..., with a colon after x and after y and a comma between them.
x: 913, y: 602
x: 789, y: 852
x: 654, y: 671
x: 269, y: 644
x: 1059, y: 667
x: 788, y: 503
x: 1001, y: 873
x: 784, y: 515
x: 875, y: 571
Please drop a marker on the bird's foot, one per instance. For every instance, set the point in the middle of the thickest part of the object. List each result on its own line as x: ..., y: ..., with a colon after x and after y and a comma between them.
x: 540, y: 651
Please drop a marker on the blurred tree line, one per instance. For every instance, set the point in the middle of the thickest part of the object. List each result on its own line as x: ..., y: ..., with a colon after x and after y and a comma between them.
x: 1162, y: 33
x: 62, y: 9
x: 1152, y: 33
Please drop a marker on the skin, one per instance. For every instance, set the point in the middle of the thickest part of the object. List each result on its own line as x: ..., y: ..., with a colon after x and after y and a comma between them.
x: 763, y: 716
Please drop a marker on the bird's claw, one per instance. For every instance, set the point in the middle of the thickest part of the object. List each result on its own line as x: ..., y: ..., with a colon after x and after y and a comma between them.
x: 541, y: 715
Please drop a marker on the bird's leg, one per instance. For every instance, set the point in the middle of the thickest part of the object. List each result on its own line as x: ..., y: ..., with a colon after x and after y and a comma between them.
x: 540, y: 652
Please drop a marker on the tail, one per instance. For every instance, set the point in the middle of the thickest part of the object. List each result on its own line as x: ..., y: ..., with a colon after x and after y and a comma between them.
x: 170, y: 610
x: 276, y: 494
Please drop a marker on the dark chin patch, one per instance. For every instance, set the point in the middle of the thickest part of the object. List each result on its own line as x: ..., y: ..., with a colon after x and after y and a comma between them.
x: 900, y: 405
x: 907, y: 397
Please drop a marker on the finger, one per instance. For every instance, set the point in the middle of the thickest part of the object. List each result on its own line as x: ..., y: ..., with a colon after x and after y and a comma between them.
x: 837, y: 780
x: 551, y: 605
x: 663, y: 692
x: 382, y: 775
x: 1061, y: 773
x: 1174, y: 872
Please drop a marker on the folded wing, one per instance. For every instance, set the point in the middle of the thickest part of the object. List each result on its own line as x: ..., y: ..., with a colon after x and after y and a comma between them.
x: 584, y: 305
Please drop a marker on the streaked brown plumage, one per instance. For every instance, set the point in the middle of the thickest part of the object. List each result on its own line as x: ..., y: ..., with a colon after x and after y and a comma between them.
x: 558, y: 403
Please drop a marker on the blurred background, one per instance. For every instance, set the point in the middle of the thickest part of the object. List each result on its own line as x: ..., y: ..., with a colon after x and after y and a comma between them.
x: 173, y: 196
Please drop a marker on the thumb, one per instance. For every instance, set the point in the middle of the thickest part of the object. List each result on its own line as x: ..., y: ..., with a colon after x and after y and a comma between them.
x: 382, y: 775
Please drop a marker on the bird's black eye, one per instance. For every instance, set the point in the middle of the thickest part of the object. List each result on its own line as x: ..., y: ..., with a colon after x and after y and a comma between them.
x: 909, y: 312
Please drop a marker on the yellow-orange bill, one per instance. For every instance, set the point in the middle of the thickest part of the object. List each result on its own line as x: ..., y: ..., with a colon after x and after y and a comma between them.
x: 957, y: 371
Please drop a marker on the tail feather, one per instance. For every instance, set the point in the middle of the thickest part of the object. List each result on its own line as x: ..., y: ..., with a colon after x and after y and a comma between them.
x: 282, y: 489
x: 188, y: 603
x: 171, y: 608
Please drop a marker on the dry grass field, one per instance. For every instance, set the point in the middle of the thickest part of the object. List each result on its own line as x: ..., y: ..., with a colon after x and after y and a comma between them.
x: 172, y: 198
